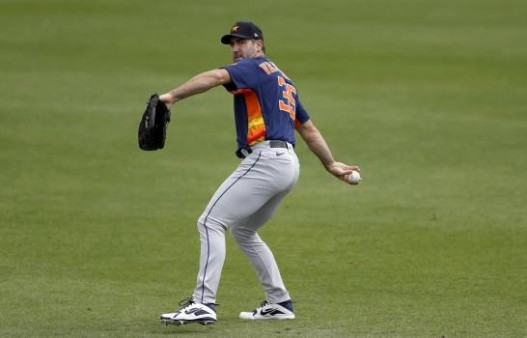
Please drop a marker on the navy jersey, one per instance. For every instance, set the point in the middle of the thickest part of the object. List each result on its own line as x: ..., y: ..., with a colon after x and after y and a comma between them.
x: 266, y: 104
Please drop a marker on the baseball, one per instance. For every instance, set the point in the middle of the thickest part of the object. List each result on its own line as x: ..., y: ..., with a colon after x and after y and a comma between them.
x: 354, y: 177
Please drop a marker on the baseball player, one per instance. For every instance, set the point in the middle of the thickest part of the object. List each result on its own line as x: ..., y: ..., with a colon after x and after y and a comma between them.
x: 267, y: 112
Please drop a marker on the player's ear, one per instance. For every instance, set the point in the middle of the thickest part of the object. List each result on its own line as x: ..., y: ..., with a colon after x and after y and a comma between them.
x: 261, y: 47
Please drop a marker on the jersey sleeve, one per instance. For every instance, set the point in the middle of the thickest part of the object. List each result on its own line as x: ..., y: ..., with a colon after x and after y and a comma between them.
x: 244, y: 75
x: 302, y: 115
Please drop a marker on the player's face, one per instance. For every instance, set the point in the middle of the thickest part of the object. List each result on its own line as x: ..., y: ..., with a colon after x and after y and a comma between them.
x: 245, y: 48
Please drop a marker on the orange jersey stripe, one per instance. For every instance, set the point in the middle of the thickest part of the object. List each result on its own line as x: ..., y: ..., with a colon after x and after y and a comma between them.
x: 256, y: 126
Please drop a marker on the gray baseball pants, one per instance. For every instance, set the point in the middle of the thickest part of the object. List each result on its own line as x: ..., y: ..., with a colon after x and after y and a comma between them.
x: 243, y: 203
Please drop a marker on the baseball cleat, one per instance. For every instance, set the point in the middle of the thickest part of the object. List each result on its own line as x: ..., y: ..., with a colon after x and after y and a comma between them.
x: 191, y: 312
x: 267, y: 310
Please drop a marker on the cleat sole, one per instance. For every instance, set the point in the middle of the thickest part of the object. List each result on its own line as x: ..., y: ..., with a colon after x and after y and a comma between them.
x: 206, y: 321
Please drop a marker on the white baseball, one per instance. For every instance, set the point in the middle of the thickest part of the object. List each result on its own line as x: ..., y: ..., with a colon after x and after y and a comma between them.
x: 354, y: 177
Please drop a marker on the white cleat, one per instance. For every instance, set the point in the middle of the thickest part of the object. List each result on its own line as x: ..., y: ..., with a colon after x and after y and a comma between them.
x: 191, y: 312
x: 269, y: 311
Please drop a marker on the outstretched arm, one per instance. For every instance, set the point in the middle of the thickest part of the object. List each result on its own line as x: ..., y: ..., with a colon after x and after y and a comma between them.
x: 196, y: 85
x: 316, y: 143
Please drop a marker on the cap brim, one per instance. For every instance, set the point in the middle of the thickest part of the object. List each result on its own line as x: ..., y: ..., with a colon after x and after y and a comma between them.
x: 226, y: 39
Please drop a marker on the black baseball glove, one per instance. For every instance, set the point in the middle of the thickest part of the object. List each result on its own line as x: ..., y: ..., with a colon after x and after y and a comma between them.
x: 153, y: 126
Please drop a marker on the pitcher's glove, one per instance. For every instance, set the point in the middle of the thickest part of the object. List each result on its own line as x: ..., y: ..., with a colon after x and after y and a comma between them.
x: 153, y: 126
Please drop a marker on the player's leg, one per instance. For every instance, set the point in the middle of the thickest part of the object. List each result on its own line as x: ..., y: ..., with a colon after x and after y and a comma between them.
x: 259, y: 253
x: 238, y: 197
x: 211, y: 226
x: 277, y: 304
x: 222, y: 210
x: 212, y: 257
x: 247, y: 238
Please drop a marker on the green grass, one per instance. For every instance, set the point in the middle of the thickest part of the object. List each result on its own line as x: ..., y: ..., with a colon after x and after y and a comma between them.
x: 428, y: 97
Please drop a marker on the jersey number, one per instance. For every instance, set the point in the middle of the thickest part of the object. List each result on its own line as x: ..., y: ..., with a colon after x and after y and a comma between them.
x: 288, y: 104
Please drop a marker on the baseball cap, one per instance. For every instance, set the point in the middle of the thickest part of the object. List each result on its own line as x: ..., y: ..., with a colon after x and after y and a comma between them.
x: 243, y: 30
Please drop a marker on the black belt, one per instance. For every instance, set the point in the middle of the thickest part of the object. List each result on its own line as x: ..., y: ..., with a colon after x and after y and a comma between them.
x: 244, y: 152
x: 278, y: 144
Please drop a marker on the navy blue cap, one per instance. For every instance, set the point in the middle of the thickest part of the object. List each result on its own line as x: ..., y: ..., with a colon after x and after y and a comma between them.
x: 243, y: 30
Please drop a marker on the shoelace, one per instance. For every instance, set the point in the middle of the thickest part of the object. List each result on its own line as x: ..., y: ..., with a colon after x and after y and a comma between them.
x: 185, y: 302
x: 264, y: 303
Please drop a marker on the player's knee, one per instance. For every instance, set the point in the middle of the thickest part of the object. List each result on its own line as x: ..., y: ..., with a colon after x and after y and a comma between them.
x: 243, y: 235
x: 211, y: 223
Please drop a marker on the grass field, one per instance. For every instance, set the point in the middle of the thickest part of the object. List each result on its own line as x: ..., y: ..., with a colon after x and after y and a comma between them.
x: 429, y: 97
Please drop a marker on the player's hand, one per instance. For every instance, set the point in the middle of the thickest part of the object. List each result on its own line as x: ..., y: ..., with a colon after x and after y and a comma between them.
x: 166, y: 99
x: 341, y: 170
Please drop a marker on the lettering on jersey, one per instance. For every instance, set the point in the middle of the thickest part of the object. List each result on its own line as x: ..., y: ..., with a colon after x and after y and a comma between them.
x: 288, y: 104
x: 269, y: 67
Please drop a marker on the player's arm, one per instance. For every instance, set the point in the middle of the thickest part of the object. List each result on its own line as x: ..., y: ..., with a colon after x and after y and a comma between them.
x: 196, y: 85
x: 317, y: 144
